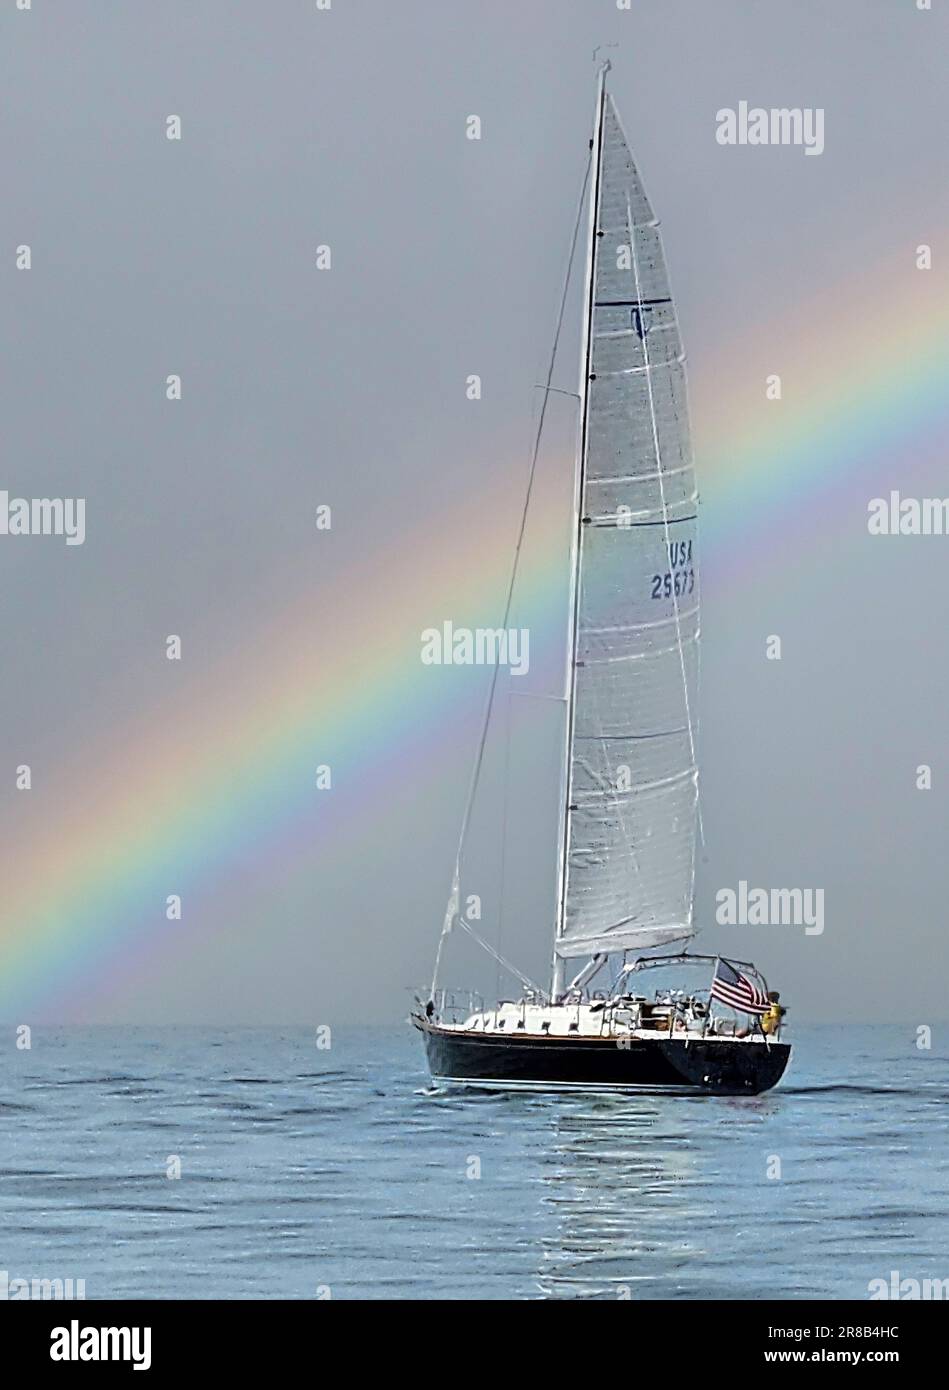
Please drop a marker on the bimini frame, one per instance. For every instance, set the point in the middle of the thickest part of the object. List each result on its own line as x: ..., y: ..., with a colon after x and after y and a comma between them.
x: 690, y: 958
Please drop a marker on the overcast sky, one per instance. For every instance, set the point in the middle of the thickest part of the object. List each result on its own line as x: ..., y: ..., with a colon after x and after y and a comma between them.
x: 346, y: 386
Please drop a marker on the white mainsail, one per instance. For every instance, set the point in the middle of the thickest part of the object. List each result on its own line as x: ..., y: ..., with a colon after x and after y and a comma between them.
x: 628, y: 859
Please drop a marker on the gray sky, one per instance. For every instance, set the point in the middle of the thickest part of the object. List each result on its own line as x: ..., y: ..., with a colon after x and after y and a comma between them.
x: 197, y: 257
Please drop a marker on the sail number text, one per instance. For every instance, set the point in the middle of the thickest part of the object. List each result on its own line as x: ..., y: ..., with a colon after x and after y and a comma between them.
x: 679, y: 579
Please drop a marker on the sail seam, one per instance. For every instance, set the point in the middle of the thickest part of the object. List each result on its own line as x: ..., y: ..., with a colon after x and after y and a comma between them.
x: 640, y: 627
x: 640, y: 477
x: 595, y: 661
x: 640, y: 787
x: 615, y: 524
x: 646, y: 371
x: 632, y: 738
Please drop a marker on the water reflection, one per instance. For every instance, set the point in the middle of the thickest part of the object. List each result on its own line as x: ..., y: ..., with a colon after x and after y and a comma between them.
x: 606, y: 1183
x: 633, y: 1188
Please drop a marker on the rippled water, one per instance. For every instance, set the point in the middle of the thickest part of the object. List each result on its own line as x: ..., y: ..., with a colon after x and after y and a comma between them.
x: 304, y: 1169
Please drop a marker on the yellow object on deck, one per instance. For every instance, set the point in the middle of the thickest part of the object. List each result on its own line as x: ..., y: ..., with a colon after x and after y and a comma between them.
x: 771, y: 1021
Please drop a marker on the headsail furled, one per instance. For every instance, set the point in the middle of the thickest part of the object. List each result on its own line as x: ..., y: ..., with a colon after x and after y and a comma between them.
x: 628, y: 861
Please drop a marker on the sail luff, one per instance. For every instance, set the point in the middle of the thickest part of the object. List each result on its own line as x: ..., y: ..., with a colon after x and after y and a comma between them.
x: 563, y: 867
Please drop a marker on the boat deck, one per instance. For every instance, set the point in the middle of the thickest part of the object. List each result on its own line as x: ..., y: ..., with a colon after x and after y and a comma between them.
x: 640, y: 1020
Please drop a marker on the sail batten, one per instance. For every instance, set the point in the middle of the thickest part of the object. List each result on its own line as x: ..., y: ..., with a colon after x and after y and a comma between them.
x: 632, y: 786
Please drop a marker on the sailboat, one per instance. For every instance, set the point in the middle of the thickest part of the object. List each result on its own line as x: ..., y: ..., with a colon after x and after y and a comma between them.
x: 629, y: 781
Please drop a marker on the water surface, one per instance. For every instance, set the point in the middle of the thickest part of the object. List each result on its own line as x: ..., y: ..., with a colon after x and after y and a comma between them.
x: 305, y: 1169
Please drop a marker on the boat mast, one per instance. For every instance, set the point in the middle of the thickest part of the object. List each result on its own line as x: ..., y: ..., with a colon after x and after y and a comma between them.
x: 586, y: 355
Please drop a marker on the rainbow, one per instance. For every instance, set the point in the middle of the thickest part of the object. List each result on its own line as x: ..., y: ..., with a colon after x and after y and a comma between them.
x: 865, y: 402
x: 214, y: 774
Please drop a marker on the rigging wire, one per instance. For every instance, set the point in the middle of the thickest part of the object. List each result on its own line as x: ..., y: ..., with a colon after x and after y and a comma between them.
x: 451, y: 911
x: 524, y: 979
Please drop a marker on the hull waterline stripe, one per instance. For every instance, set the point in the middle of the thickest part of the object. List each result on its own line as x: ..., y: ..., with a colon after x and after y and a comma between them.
x: 630, y: 1087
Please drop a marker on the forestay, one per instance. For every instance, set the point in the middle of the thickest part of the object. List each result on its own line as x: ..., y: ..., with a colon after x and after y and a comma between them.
x: 630, y: 829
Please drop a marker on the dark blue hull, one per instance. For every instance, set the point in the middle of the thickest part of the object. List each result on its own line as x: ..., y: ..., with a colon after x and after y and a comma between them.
x: 713, y: 1066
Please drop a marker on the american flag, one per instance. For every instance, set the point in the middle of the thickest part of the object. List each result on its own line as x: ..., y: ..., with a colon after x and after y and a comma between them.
x: 735, y: 989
